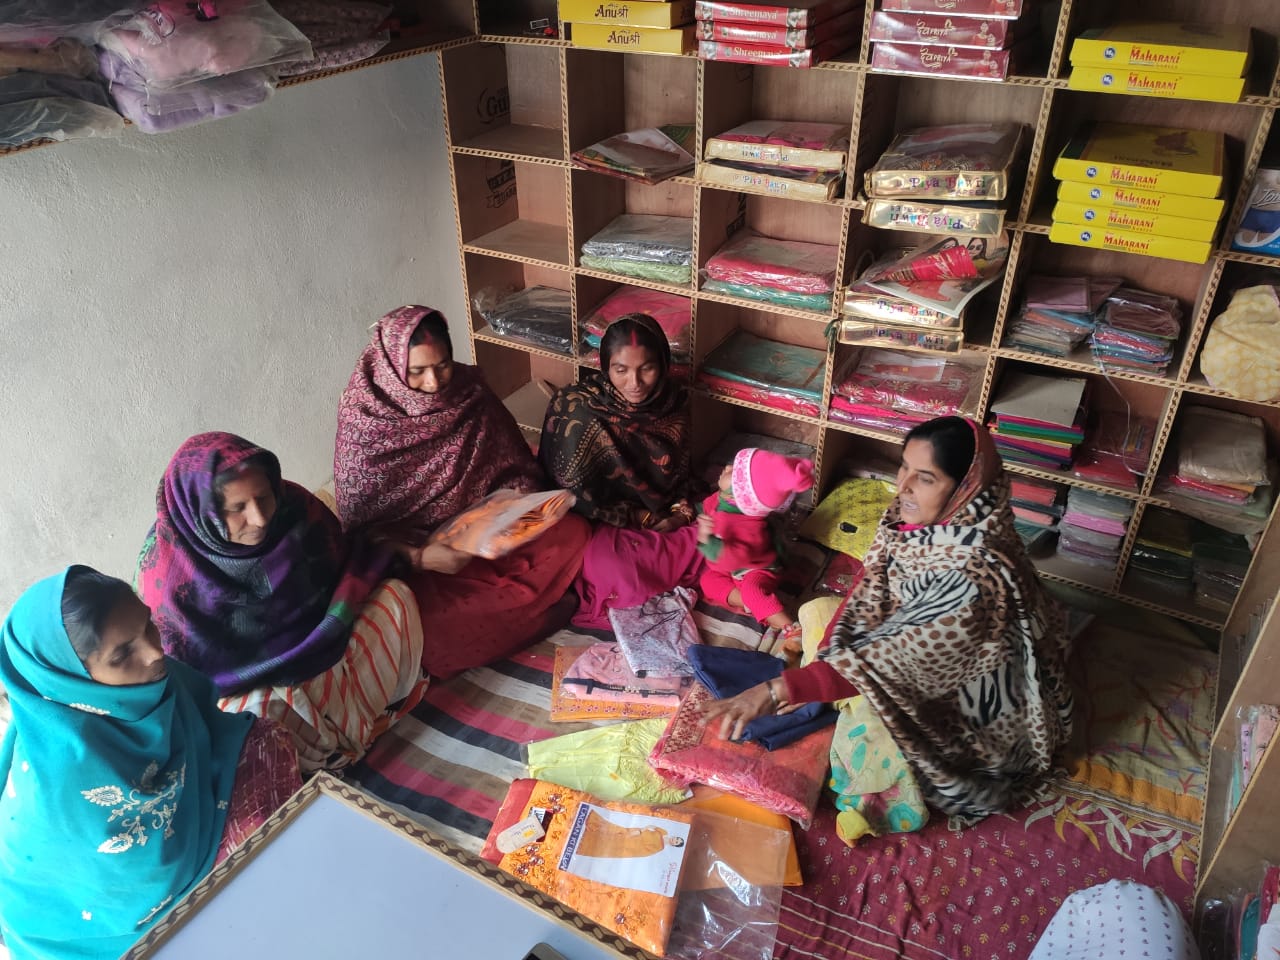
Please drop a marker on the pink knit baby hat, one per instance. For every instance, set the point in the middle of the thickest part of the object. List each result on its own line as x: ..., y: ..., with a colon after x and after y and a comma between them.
x: 764, y: 482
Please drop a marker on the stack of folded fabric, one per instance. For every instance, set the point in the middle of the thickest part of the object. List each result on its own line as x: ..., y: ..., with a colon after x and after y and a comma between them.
x: 978, y: 39
x: 1153, y: 191
x: 1116, y: 450
x: 671, y: 312
x: 1161, y: 556
x: 892, y: 391
x: 643, y: 245
x: 1038, y: 420
x: 174, y: 65
x: 787, y: 273
x: 1219, y: 562
x: 949, y: 179
x: 1037, y: 505
x: 539, y: 316
x: 1137, y: 331
x: 1058, y: 313
x: 795, y: 33
x: 802, y: 161
x: 1221, y: 474
x: 916, y: 299
x: 342, y: 32
x: 598, y: 683
x: 649, y: 155
x: 783, y: 376
x: 1093, y: 527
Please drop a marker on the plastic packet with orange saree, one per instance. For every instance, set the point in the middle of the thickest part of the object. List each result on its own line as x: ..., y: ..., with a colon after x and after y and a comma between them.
x: 503, y: 521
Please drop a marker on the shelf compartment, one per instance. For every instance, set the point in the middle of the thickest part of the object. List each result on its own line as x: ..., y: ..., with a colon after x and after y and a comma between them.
x: 715, y: 417
x: 511, y: 18
x: 512, y: 208
x: 516, y: 376
x: 504, y: 99
x: 1132, y: 590
x: 1235, y: 276
x: 495, y: 278
x: 598, y: 200
x: 611, y: 93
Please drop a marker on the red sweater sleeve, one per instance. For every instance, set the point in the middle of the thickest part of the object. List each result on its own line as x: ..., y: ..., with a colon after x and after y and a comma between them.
x: 819, y: 682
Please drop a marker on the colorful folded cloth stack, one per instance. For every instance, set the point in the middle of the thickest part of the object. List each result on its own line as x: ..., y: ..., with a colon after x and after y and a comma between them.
x: 950, y: 179
x: 796, y: 33
x: 1116, y: 450
x: 787, y: 273
x: 1038, y: 420
x: 650, y: 155
x: 671, y: 311
x: 1058, y: 313
x: 1092, y: 529
x: 643, y: 245
x: 893, y: 391
x: 801, y: 161
x: 1136, y: 331
x: 1037, y: 505
x: 1130, y: 188
x: 539, y: 316
x: 916, y: 299
x: 341, y: 32
x: 977, y: 39
x: 784, y: 376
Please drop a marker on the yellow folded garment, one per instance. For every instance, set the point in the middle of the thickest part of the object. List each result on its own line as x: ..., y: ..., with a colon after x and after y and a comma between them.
x: 611, y: 763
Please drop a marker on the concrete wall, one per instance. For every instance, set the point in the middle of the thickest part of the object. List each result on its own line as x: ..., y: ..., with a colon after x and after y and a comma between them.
x: 219, y: 277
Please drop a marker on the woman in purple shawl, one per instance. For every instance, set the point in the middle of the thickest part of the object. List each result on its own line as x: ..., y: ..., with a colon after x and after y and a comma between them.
x: 252, y: 581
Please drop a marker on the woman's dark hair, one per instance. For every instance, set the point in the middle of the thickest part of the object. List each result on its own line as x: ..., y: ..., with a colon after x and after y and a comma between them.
x: 636, y: 330
x: 266, y: 462
x: 88, y: 597
x: 433, y: 328
x: 952, y: 441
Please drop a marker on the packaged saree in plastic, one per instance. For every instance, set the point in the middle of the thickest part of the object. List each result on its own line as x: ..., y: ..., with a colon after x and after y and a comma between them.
x: 969, y: 161
x: 597, y: 683
x: 789, y: 265
x: 504, y: 521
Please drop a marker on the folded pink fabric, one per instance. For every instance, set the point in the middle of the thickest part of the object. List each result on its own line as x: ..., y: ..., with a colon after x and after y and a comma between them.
x: 1088, y: 521
x: 791, y: 265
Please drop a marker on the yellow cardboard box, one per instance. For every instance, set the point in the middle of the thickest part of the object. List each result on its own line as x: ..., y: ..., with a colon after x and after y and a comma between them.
x: 632, y: 13
x: 1121, y: 241
x: 1161, y: 159
x: 1154, y: 83
x: 1134, y: 221
x: 602, y: 36
x: 1194, y: 208
x: 1211, y: 49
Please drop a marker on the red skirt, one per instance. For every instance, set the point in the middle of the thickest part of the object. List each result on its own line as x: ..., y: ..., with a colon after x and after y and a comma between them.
x: 491, y: 608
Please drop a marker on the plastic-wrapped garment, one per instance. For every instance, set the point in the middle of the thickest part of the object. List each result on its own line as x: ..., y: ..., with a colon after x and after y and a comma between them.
x: 171, y: 42
x: 160, y: 111
x: 909, y: 383
x: 1069, y: 294
x: 656, y: 636
x: 610, y: 763
x: 1241, y: 353
x: 504, y: 521
x: 650, y: 155
x: 71, y: 58
x: 765, y: 396
x: 1087, y: 537
x: 727, y: 672
x: 340, y: 31
x: 786, y: 368
x: 41, y: 21
x: 786, y: 781
x: 1222, y: 447
x: 1143, y: 312
x: 1117, y: 450
x: 674, y: 273
x: 730, y: 882
x: 540, y: 316
x: 783, y: 298
x: 1097, y: 504
x: 792, y: 265
x: 597, y: 683
x: 36, y: 106
x: 670, y: 311
x: 874, y: 417
x: 958, y: 162
x: 644, y: 237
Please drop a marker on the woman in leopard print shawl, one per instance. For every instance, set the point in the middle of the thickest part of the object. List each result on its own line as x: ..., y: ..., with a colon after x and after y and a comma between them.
x: 948, y: 635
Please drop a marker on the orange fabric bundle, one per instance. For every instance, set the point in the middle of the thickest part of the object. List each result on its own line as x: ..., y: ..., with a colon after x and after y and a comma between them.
x: 503, y: 521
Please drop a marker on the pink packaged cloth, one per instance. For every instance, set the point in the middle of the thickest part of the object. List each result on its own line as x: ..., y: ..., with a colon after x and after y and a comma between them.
x: 1088, y: 521
x: 940, y: 61
x: 1004, y: 9
x: 792, y: 265
x: 787, y: 780
x: 671, y: 311
x: 761, y: 395
x: 873, y: 417
x: 772, y: 56
x: 602, y: 673
x: 908, y: 383
x: 980, y: 32
x: 797, y: 38
x: 796, y: 14
x: 172, y: 42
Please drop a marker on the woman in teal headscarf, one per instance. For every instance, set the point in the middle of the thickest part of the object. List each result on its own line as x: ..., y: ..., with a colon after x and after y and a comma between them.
x: 118, y: 771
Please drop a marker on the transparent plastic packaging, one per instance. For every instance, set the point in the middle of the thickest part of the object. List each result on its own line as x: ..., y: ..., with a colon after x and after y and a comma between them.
x: 540, y: 316
x: 171, y: 42
x: 909, y: 383
x: 873, y: 334
x: 504, y: 521
x: 792, y: 266
x: 968, y: 161
x: 35, y: 106
x: 39, y: 21
x: 158, y: 110
x: 649, y: 155
x: 644, y: 238
x: 670, y: 311
x: 924, y: 216
x: 68, y: 57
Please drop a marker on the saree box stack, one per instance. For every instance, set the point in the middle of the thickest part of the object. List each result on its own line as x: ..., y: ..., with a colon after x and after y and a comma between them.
x: 1142, y: 170
x: 1180, y: 61
x: 977, y: 39
x: 802, y: 33
x: 948, y: 179
x: 620, y: 37
x: 631, y: 13
x: 801, y: 161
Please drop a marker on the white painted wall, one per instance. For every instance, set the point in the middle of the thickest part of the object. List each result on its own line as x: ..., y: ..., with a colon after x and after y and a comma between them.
x: 219, y: 277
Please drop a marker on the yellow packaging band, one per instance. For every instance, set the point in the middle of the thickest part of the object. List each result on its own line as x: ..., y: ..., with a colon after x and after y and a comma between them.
x: 633, y: 13
x: 603, y: 36
x: 1213, y: 49
x: 1134, y: 221
x: 1152, y: 83
x: 1146, y: 201
x: 1120, y: 241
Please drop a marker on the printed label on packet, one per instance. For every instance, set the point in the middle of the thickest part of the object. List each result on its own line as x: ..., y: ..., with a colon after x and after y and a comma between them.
x: 527, y: 831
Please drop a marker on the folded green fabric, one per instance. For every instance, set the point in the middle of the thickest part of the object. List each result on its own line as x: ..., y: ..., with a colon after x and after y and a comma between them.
x: 611, y: 762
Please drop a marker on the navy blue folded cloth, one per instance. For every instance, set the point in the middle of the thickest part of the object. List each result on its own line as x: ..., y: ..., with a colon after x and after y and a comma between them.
x: 726, y: 672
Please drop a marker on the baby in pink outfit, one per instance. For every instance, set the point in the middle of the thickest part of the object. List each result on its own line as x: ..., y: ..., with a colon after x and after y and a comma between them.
x: 735, y: 536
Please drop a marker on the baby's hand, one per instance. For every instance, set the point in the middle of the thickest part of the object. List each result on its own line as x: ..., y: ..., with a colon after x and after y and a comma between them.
x: 706, y: 527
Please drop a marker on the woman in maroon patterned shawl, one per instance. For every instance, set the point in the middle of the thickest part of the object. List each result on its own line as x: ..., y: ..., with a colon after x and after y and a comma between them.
x: 421, y: 438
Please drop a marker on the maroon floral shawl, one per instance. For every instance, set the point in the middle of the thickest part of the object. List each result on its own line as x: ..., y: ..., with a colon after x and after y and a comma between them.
x: 268, y: 614
x: 410, y: 459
